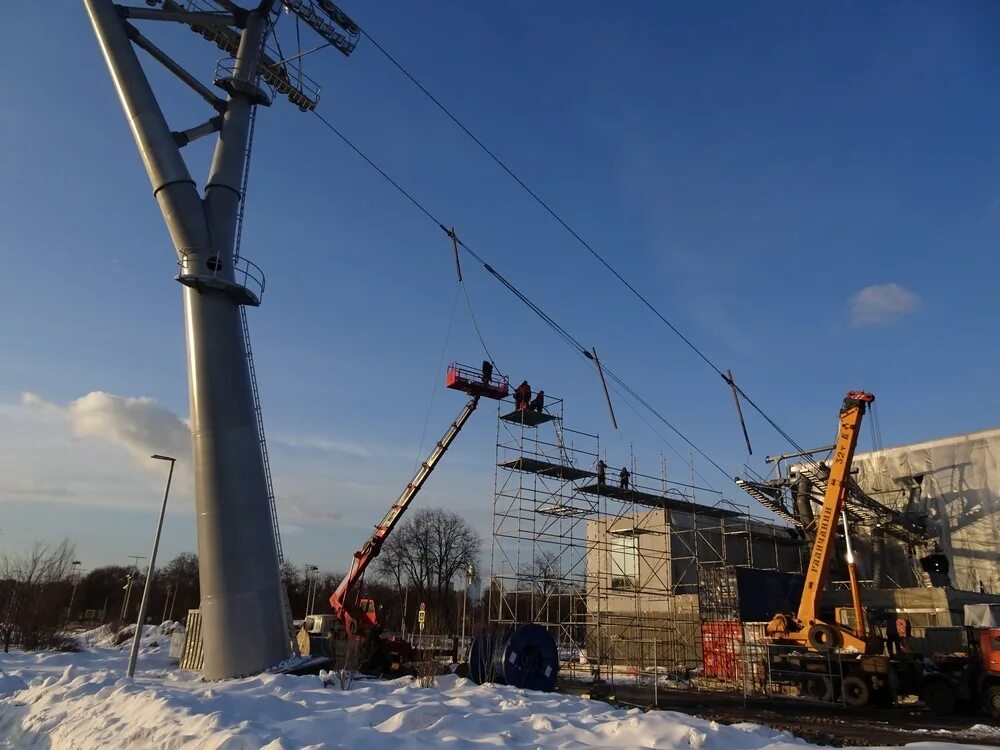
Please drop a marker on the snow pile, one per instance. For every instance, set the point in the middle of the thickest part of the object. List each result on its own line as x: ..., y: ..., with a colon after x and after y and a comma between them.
x: 62, y: 700
x: 106, y: 636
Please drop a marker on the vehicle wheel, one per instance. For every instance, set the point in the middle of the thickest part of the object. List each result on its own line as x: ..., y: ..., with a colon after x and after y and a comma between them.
x: 856, y: 692
x: 818, y: 688
x: 939, y: 697
x: 991, y: 700
x: 822, y: 637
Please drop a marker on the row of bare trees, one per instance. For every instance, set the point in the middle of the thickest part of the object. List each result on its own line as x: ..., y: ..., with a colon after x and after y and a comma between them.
x: 428, y: 557
x: 426, y: 560
x: 41, y: 592
x: 33, y: 589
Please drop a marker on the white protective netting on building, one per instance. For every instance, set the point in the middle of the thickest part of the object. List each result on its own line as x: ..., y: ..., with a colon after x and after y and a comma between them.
x: 959, y: 491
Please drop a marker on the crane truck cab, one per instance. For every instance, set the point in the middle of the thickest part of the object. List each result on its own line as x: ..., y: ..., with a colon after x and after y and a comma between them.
x: 968, y: 678
x: 989, y: 662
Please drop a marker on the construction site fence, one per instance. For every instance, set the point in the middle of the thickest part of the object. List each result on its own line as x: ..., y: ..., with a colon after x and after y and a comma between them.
x: 720, y: 655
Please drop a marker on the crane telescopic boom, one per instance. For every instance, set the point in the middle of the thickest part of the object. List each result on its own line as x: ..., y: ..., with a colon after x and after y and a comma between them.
x: 807, y: 627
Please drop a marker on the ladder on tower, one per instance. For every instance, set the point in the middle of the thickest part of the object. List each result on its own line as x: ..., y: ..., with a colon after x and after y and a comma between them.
x: 289, y: 620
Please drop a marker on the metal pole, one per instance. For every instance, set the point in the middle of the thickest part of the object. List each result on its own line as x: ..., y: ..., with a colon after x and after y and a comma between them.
x: 465, y: 599
x: 128, y: 592
x: 243, y: 620
x: 656, y: 679
x: 149, y: 572
x: 166, y: 601
x: 76, y: 582
x: 406, y: 598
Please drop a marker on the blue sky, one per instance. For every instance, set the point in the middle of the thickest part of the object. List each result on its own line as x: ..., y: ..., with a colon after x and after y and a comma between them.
x: 750, y: 167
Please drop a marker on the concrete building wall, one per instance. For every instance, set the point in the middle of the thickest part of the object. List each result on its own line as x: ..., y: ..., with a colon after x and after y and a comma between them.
x: 668, y: 547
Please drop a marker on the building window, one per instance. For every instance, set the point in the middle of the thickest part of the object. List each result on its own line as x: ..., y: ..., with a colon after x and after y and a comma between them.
x: 624, y: 563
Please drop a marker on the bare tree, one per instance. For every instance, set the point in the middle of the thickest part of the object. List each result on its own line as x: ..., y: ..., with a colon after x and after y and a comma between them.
x: 37, y: 585
x: 544, y: 573
x: 180, y: 576
x: 428, y: 550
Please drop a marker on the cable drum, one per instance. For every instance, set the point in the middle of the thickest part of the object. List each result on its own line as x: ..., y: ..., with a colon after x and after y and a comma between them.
x: 486, y: 654
x: 522, y: 656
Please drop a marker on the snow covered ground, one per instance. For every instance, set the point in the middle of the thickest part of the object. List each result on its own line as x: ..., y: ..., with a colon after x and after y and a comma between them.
x: 80, y: 700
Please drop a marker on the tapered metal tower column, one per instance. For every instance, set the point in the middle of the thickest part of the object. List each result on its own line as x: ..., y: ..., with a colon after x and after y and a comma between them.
x: 243, y: 624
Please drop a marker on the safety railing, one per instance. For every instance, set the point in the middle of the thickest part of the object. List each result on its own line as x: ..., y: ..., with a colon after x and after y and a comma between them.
x: 458, y: 373
x: 244, y: 279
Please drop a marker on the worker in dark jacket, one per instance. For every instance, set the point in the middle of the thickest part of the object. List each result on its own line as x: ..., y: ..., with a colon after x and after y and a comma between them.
x: 538, y: 402
x: 623, y: 477
x: 601, y: 472
x: 522, y: 395
x: 487, y: 371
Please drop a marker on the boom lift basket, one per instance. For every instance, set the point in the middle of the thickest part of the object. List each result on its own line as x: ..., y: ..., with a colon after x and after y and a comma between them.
x: 472, y: 381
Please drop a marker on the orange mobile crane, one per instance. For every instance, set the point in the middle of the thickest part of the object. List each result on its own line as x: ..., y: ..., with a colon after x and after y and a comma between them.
x: 840, y: 661
x: 813, y: 644
x: 359, y: 615
x: 806, y: 628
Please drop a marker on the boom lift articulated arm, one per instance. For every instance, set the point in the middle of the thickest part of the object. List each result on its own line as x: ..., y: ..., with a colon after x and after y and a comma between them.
x: 358, y: 615
x: 807, y: 627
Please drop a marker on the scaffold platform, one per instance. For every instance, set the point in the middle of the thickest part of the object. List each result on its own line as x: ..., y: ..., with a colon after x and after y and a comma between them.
x: 650, y: 500
x: 546, y: 468
x: 527, y: 417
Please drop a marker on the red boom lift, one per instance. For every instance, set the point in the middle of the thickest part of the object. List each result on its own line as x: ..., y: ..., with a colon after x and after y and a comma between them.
x: 359, y: 615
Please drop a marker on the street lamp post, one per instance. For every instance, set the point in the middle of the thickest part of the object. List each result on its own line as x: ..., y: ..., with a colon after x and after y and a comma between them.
x: 133, y: 573
x: 311, y: 580
x: 149, y: 573
x: 469, y: 572
x: 76, y: 580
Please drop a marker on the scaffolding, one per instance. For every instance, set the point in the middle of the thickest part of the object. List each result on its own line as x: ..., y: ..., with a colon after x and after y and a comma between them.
x: 625, y: 575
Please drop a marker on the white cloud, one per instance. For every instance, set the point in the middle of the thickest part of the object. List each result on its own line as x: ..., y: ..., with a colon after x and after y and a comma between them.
x: 140, y: 425
x: 93, y: 452
x: 881, y: 304
x: 50, y: 454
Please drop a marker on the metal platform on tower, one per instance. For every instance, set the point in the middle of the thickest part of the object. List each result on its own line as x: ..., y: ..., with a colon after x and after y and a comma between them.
x: 243, y: 281
x: 476, y: 382
x: 656, y: 501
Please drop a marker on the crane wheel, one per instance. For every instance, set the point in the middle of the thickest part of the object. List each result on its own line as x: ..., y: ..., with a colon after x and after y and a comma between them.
x: 818, y: 688
x: 991, y: 700
x: 939, y: 697
x: 856, y: 692
x: 823, y: 637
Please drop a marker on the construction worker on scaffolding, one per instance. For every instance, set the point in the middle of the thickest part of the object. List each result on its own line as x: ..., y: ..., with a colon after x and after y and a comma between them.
x: 522, y: 395
x: 601, y: 472
x: 538, y: 402
x: 623, y: 478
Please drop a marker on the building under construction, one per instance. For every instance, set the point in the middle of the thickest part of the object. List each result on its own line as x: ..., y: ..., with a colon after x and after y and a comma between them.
x: 632, y: 574
x: 666, y: 578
